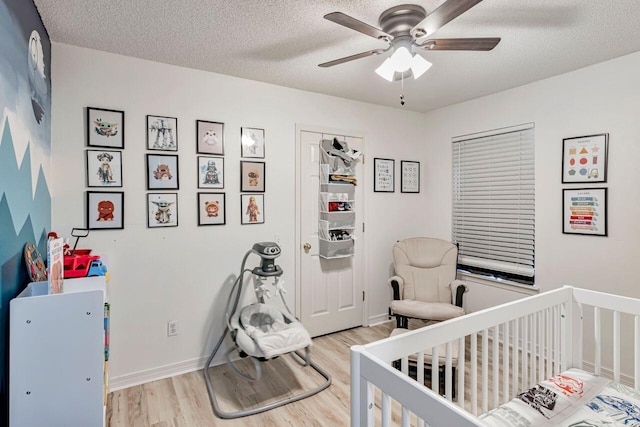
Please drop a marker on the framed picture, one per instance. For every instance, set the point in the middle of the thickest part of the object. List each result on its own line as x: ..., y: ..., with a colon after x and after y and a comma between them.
x: 211, y: 209
x: 162, y: 210
x: 105, y: 210
x: 210, y: 172
x: 105, y: 128
x: 383, y: 175
x: 162, y: 133
x: 410, y: 178
x: 584, y: 158
x: 252, y: 176
x: 209, y: 137
x: 104, y: 168
x: 162, y: 172
x: 252, y: 208
x: 584, y: 211
x: 252, y: 140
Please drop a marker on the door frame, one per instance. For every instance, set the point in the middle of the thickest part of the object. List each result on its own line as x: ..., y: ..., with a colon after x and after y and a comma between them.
x: 298, y: 228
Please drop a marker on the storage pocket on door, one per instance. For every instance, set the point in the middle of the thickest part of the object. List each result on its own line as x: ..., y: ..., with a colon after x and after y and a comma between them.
x: 339, y: 219
x: 337, y: 249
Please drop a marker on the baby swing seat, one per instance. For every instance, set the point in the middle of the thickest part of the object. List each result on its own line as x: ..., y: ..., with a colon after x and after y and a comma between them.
x: 263, y: 331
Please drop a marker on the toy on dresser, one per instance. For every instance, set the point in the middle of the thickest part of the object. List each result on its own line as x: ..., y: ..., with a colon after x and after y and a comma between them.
x: 76, y: 263
x: 36, y: 269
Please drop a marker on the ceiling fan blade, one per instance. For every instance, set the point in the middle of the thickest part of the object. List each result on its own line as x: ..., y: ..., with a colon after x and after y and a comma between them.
x: 354, y: 24
x: 483, y: 44
x: 447, y: 11
x: 352, y: 57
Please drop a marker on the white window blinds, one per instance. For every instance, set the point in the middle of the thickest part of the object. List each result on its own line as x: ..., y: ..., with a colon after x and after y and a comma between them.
x: 494, y: 200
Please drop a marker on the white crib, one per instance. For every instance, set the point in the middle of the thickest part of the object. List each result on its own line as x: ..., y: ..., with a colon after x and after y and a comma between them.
x: 521, y: 343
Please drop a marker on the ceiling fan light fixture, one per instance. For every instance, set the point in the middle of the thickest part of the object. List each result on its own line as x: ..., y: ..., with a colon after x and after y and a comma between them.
x: 419, y: 66
x: 386, y: 70
x: 401, y: 59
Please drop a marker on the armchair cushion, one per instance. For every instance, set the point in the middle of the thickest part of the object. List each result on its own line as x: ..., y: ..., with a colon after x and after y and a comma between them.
x: 426, y: 310
x: 428, y: 266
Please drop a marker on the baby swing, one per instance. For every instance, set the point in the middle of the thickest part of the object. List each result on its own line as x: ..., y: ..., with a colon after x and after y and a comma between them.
x: 262, y: 332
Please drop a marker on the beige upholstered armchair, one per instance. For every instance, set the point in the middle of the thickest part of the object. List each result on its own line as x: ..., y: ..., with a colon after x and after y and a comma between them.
x: 425, y: 285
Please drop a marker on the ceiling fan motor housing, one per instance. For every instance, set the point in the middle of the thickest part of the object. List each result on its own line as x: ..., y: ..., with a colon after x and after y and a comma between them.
x: 399, y: 20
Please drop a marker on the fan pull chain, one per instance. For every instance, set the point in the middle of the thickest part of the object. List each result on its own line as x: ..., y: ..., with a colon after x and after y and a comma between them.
x: 402, y: 90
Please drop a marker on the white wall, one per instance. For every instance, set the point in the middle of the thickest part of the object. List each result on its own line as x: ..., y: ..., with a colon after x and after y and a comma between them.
x: 604, y: 98
x: 183, y: 273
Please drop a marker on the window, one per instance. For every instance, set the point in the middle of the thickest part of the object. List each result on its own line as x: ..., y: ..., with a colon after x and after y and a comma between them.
x: 494, y: 202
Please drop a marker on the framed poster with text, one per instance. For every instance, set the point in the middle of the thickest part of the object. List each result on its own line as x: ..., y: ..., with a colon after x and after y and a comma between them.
x: 383, y: 175
x: 584, y: 211
x: 410, y: 177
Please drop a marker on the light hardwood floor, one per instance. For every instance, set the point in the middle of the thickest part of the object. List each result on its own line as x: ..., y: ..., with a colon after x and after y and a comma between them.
x: 183, y: 400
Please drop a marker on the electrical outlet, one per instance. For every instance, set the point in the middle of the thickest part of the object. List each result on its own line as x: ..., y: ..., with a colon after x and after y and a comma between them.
x: 276, y: 239
x: 172, y: 328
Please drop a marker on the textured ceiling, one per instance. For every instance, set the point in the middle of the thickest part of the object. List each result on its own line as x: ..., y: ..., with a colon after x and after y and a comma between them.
x: 281, y: 42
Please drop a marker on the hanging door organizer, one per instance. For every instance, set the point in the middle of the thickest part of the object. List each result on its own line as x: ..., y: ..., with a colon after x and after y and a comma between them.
x: 337, y: 217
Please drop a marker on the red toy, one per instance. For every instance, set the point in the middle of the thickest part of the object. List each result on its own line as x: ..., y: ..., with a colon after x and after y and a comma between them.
x: 78, y: 262
x: 77, y: 265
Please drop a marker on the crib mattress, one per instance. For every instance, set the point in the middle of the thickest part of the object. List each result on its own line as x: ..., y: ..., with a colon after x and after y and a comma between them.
x: 573, y: 399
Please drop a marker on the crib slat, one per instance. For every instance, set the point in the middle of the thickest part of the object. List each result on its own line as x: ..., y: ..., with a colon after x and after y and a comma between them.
x: 597, y: 339
x: 447, y: 373
x: 636, y: 371
x: 474, y: 373
x: 532, y: 351
x: 568, y: 336
x: 616, y: 346
x: 549, y: 326
x: 516, y: 358
x: 404, y: 365
x: 406, y: 417
x: 505, y: 362
x: 525, y: 351
x: 420, y: 367
x: 556, y: 340
x: 386, y: 410
x: 496, y: 367
x: 541, y: 345
x: 461, y: 356
x: 435, y: 378
x: 485, y: 370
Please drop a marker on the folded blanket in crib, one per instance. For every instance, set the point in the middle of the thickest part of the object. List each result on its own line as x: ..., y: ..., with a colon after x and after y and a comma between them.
x: 281, y: 338
x: 572, y: 399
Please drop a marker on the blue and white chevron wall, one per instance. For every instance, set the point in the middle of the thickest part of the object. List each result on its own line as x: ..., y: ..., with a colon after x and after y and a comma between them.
x: 25, y: 152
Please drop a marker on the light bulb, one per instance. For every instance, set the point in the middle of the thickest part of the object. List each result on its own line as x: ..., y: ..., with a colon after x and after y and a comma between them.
x: 419, y: 66
x: 385, y: 70
x: 401, y: 59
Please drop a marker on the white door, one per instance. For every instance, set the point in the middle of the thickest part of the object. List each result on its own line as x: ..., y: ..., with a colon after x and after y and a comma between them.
x: 331, y: 290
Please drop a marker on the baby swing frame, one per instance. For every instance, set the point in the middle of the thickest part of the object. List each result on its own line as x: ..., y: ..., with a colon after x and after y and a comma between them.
x: 267, y: 251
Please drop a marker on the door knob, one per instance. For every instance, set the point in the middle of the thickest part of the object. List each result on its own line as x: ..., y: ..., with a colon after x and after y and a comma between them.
x: 307, y: 247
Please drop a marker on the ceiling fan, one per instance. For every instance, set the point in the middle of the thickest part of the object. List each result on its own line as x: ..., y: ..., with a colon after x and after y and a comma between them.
x: 407, y: 28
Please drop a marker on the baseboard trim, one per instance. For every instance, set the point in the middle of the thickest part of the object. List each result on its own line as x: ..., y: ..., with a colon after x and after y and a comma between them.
x: 608, y: 373
x: 154, y: 374
x: 379, y: 319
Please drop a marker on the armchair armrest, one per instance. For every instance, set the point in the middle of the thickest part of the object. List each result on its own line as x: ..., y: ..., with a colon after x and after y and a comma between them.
x: 397, y: 283
x: 458, y: 289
